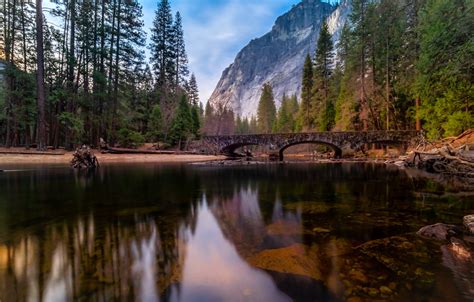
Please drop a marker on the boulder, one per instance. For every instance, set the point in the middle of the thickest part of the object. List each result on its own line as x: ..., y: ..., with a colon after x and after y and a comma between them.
x: 469, y: 223
x: 439, y: 231
x: 296, y: 259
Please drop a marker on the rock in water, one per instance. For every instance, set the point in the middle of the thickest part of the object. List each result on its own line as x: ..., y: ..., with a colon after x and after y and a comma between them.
x: 469, y: 223
x: 296, y: 259
x: 277, y: 57
x: 439, y: 231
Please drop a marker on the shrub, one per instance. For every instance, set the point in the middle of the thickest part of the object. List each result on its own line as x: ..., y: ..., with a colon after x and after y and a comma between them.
x: 130, y: 139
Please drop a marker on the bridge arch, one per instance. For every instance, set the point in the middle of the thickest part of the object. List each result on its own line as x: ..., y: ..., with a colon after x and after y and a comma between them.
x: 344, y: 143
x: 337, y: 150
x: 230, y: 149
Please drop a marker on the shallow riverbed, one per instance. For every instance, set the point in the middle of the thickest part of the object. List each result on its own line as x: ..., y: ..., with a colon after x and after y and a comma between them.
x: 305, y: 232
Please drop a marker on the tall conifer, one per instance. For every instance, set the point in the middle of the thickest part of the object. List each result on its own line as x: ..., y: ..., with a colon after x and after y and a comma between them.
x: 266, y: 113
x: 304, y: 119
x: 162, y: 54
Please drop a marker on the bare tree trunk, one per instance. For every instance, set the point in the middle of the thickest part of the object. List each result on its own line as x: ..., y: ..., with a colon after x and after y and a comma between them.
x: 111, y: 135
x: 116, y: 76
x: 40, y: 76
x: 387, y: 85
x: 417, y: 107
x: 25, y: 67
x: 9, y: 55
x: 93, y: 124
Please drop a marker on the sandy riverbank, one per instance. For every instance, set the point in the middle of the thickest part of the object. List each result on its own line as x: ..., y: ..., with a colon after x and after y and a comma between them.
x: 12, y: 159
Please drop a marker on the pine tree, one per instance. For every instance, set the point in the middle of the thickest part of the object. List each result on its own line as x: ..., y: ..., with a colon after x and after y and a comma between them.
x: 253, y: 125
x: 293, y: 109
x: 182, y: 125
x: 181, y: 71
x: 445, y: 66
x: 238, y: 125
x: 287, y: 114
x: 358, y: 56
x: 155, y: 124
x: 284, y: 118
x: 242, y: 126
x: 322, y: 106
x: 305, y: 121
x: 209, y: 127
x: 193, y: 92
x: 162, y: 54
x: 196, y: 120
x: 40, y: 92
x: 266, y: 113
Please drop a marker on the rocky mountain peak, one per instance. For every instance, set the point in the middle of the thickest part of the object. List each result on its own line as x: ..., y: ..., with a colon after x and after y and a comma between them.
x: 276, y: 58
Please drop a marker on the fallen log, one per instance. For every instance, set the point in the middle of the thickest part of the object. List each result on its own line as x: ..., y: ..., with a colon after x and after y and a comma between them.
x: 17, y: 152
x: 134, y: 151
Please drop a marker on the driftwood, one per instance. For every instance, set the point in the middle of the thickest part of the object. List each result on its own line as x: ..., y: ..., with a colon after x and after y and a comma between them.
x: 134, y: 151
x: 18, y: 152
x: 83, y: 158
x: 445, y: 159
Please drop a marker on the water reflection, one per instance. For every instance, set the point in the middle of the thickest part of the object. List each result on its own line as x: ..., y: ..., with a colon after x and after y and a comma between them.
x: 126, y: 261
x: 182, y: 234
x: 214, y: 271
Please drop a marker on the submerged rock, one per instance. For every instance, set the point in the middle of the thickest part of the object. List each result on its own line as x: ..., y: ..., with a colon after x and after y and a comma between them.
x: 283, y: 228
x: 336, y: 247
x: 458, y: 256
x: 321, y: 230
x: 385, y: 290
x: 407, y: 256
x: 315, y: 208
x: 296, y: 259
x: 469, y: 223
x: 439, y: 231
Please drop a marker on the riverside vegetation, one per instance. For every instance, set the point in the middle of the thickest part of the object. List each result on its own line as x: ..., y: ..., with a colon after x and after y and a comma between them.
x: 398, y: 65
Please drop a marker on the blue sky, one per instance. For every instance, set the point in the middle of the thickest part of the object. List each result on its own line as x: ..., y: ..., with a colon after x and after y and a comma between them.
x: 215, y: 31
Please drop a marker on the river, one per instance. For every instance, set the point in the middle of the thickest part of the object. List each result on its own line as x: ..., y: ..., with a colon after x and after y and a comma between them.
x: 303, y: 232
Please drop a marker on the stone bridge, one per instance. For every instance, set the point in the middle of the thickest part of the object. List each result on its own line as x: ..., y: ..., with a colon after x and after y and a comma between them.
x: 343, y: 143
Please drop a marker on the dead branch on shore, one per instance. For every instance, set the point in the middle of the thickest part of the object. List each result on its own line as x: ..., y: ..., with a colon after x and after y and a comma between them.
x: 83, y: 158
x: 446, y: 159
x: 135, y: 151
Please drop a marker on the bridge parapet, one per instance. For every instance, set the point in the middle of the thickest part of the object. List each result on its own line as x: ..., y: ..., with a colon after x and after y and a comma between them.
x: 344, y: 143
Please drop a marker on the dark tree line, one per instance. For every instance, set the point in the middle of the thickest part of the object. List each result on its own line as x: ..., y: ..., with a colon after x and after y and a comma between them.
x: 82, y: 75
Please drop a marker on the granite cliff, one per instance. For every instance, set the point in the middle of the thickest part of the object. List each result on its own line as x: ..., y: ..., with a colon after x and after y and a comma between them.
x: 277, y: 57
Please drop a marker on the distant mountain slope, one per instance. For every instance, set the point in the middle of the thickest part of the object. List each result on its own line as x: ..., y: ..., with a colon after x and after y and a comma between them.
x: 338, y: 18
x: 277, y: 57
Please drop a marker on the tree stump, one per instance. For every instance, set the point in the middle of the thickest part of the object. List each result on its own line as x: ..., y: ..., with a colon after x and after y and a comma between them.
x: 83, y: 158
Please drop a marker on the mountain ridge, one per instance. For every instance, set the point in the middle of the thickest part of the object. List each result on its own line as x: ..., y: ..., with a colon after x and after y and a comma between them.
x: 276, y: 57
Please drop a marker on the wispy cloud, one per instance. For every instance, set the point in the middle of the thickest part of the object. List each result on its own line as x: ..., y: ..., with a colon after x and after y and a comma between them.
x: 216, y: 30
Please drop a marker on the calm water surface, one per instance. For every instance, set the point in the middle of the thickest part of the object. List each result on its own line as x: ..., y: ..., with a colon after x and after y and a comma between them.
x: 300, y: 232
